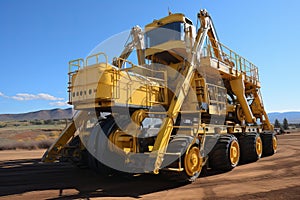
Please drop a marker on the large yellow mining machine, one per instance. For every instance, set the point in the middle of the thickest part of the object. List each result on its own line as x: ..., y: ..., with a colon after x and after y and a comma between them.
x: 188, y: 102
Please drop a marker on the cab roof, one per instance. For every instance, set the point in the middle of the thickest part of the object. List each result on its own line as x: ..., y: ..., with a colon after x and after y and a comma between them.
x: 177, y: 17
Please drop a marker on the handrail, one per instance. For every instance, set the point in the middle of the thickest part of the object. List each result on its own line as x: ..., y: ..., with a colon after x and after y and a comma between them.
x: 97, y: 55
x: 79, y: 63
x: 163, y: 82
x: 237, y: 62
x: 143, y: 68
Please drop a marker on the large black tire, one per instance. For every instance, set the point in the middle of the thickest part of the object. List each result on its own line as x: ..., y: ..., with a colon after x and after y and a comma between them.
x: 191, y: 160
x: 225, y: 154
x: 102, y: 150
x: 251, y: 147
x: 99, y: 167
x: 269, y: 141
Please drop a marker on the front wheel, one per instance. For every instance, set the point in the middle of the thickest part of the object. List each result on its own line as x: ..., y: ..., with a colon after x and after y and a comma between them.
x: 105, y: 153
x: 192, y: 163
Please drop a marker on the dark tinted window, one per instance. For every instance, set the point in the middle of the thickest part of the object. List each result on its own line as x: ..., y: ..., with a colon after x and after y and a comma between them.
x: 172, y: 31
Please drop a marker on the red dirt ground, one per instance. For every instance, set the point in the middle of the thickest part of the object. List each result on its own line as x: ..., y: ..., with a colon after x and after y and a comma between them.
x: 23, y: 176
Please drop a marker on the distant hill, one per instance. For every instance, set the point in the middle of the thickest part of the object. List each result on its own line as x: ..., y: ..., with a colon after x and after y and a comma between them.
x: 292, y: 117
x: 40, y: 115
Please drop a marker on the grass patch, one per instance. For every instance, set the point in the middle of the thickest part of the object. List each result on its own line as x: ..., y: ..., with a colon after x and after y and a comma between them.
x: 34, y: 134
x: 28, y: 145
x: 33, y: 125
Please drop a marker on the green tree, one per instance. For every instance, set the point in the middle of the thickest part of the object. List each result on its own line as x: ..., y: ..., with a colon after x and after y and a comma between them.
x: 277, y: 124
x: 48, y: 121
x: 36, y: 122
x: 285, y: 124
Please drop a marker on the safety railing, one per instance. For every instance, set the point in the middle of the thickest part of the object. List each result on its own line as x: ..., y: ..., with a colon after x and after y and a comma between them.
x: 78, y: 64
x: 81, y: 63
x: 96, y: 57
x: 157, y: 76
x: 237, y: 63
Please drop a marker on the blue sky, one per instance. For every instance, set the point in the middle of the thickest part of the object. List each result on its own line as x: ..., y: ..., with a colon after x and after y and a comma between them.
x: 38, y: 38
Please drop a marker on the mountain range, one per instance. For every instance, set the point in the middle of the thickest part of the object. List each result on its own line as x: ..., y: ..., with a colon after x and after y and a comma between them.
x: 292, y: 117
x: 39, y: 115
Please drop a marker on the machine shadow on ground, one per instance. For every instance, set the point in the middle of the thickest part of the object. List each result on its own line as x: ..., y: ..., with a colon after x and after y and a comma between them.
x: 32, y: 175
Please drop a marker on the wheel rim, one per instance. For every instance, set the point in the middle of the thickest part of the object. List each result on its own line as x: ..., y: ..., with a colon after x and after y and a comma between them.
x: 234, y: 153
x: 193, y: 161
x: 258, y: 147
x: 274, y: 139
x: 120, y: 140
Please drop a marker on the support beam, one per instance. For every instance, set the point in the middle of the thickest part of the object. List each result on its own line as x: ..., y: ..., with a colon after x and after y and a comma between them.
x: 238, y: 88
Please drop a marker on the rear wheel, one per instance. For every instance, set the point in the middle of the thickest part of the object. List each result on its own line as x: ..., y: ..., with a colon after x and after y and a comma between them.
x: 269, y: 142
x: 225, y: 154
x: 251, y: 147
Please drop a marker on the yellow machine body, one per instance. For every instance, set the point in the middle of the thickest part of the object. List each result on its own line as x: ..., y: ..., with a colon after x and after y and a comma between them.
x: 203, y: 62
x: 103, y: 85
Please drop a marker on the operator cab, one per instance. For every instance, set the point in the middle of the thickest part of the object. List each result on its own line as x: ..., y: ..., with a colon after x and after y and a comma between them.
x: 169, y: 39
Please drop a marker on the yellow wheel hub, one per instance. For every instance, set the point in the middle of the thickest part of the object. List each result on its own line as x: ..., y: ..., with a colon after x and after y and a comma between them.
x: 258, y: 146
x: 120, y: 140
x: 274, y: 139
x: 234, y: 153
x: 192, y: 161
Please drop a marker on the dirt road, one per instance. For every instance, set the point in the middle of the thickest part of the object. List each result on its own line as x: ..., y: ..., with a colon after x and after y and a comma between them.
x: 22, y: 176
